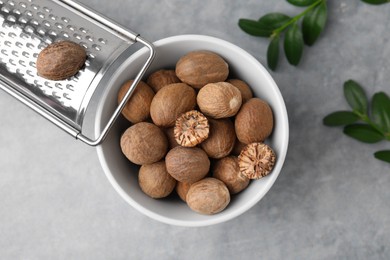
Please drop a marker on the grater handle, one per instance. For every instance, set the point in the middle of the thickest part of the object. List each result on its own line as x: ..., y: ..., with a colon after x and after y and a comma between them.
x: 127, y: 96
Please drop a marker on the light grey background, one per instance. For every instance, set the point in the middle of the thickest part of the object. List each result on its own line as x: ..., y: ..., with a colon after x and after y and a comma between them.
x: 331, y: 201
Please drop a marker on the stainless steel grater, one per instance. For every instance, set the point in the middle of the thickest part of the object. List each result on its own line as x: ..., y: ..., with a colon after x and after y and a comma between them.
x: 28, y: 26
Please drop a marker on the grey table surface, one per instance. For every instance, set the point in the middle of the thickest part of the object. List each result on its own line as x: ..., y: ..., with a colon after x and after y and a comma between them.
x: 331, y: 200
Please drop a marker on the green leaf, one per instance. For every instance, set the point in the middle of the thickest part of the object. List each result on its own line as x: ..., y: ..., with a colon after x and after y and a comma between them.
x: 301, y: 2
x: 254, y: 28
x: 273, y: 52
x: 383, y: 155
x: 313, y: 23
x: 339, y: 118
x: 274, y: 20
x: 355, y: 96
x: 293, y: 44
x: 363, y: 133
x: 376, y: 2
x: 380, y: 111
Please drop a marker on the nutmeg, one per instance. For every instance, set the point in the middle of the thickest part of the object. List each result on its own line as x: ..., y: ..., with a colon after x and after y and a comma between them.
x: 160, y: 78
x: 199, y: 68
x: 171, y: 101
x: 60, y: 60
x: 137, y: 108
x: 144, y: 143
x: 187, y: 164
x: 219, y: 100
x: 155, y: 181
x: 208, y: 196
x: 221, y: 138
x: 243, y: 87
x: 254, y: 122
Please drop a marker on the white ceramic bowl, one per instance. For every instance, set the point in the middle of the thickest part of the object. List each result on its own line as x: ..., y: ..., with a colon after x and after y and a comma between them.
x: 123, y: 175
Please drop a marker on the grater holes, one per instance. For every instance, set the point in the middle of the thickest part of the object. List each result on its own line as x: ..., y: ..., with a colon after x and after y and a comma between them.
x: 16, y: 11
x: 46, y: 23
x: 48, y: 40
x: 65, y: 20
x: 34, y: 22
x: 12, y: 62
x: 59, y: 25
x: 22, y: 19
x: 36, y: 82
x: 30, y: 73
x: 5, y: 9
x: 4, y: 52
x: 22, y: 63
x: 11, y: 18
x: 102, y: 41
x: 11, y: 3
x: 15, y: 53
x: 35, y: 55
x: 77, y: 36
x: 32, y: 64
x: 83, y: 30
x: 2, y: 34
x: 58, y: 85
x: 96, y: 47
x: 41, y: 31
x: 55, y: 94
x: 19, y: 71
x: 29, y: 29
x: 34, y: 6
x: 65, y: 34
x: 53, y: 17
x: 12, y: 35
x: 26, y: 55
x: 84, y: 45
x: 19, y: 45
x: 7, y: 43
x: 70, y: 87
x: 41, y: 15
x: 53, y: 33
x: 47, y: 84
x: 89, y: 38
x: 28, y: 13
x: 91, y: 55
x: 66, y: 96
x: 23, y: 5
x: 30, y: 45
x: 46, y: 9
x: 70, y: 27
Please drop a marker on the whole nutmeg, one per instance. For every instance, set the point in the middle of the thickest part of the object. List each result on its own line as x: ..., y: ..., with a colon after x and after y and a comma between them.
x: 182, y: 190
x: 170, y: 102
x: 161, y: 78
x: 256, y: 160
x: 60, y: 60
x: 144, y: 143
x: 191, y: 128
x: 169, y: 132
x: 187, y: 164
x: 219, y: 100
x: 208, y: 196
x: 238, y: 146
x: 221, y: 138
x: 254, y: 122
x: 246, y: 91
x: 228, y: 171
x: 137, y: 109
x: 199, y: 68
x: 155, y: 181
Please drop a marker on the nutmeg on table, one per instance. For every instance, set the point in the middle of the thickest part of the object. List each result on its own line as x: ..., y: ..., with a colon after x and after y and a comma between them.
x: 215, y: 117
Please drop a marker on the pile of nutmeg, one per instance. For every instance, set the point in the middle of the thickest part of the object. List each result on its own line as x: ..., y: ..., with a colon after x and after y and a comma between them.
x: 197, y: 132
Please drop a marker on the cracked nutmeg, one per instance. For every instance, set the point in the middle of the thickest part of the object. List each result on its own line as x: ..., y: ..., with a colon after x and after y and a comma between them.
x: 191, y: 128
x: 256, y: 160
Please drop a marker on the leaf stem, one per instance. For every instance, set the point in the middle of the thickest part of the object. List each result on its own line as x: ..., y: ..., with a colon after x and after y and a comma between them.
x: 277, y: 31
x: 366, y: 119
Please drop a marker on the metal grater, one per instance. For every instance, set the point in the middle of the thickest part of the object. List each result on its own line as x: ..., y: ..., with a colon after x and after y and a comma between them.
x: 28, y: 26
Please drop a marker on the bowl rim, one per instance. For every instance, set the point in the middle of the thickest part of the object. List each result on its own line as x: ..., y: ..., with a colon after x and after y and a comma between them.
x: 218, y: 218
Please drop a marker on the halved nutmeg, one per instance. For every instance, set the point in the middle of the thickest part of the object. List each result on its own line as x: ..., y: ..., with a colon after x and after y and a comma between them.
x: 256, y: 160
x: 191, y: 128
